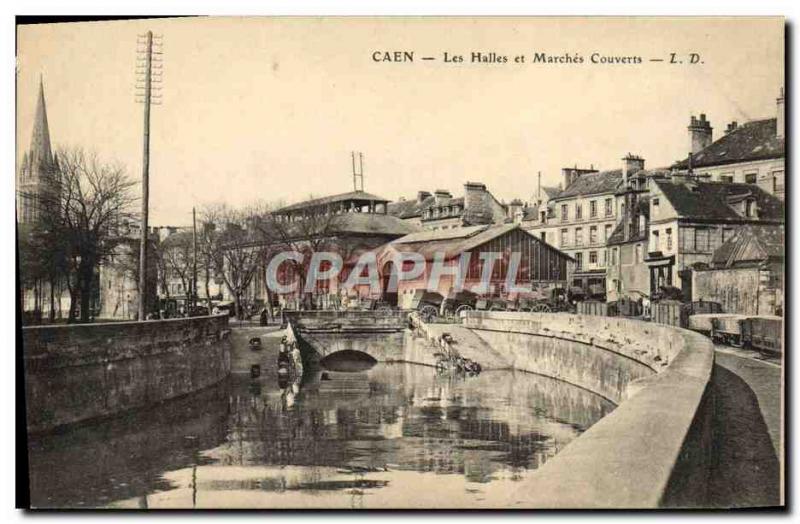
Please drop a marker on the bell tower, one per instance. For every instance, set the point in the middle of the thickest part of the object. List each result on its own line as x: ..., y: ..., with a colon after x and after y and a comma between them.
x: 38, y: 168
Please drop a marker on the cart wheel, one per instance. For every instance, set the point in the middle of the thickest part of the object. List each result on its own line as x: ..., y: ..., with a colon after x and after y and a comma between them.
x: 541, y: 308
x: 385, y: 309
x: 428, y: 313
x: 463, y: 307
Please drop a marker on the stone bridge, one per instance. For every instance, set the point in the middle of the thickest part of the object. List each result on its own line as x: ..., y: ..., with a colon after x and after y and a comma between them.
x: 380, y: 335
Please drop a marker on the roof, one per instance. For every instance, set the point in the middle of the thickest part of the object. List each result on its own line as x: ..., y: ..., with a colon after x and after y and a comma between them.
x: 593, y: 184
x: 371, y: 224
x: 409, y: 208
x: 376, y: 224
x: 618, y: 235
x: 551, y: 191
x: 756, y: 140
x: 752, y: 244
x: 441, y: 234
x: 711, y: 200
x: 453, y: 242
x: 343, y: 197
x: 484, y: 209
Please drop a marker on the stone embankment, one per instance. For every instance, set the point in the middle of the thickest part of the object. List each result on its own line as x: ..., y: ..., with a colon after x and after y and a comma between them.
x: 75, y: 373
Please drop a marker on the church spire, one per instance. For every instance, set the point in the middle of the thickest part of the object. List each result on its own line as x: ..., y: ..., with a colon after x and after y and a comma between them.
x: 41, y: 154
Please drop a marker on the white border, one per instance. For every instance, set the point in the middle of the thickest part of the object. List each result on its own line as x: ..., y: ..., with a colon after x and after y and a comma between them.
x: 790, y: 9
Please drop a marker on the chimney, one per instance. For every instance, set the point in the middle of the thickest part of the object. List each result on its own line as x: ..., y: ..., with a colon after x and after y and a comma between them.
x: 631, y: 164
x: 700, y: 133
x: 571, y: 174
x: 567, y: 176
x: 781, y: 118
x: 731, y: 127
x: 421, y: 196
x: 539, y: 187
x: 515, y: 212
x: 474, y: 195
x: 441, y: 194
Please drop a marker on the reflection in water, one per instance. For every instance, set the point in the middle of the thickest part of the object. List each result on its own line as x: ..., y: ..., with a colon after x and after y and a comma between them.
x: 339, y: 439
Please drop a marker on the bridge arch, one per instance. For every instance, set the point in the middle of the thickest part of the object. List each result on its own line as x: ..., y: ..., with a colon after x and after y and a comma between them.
x: 348, y: 360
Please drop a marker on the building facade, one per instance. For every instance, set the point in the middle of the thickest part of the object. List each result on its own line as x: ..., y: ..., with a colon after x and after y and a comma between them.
x: 580, y: 219
x: 689, y: 219
x: 746, y: 273
x: 441, y: 210
x: 541, y: 266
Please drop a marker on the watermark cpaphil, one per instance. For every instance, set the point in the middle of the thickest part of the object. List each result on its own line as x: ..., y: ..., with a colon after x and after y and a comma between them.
x: 366, y: 271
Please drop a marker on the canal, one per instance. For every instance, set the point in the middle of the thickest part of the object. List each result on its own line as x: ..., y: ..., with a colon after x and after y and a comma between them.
x: 387, y: 436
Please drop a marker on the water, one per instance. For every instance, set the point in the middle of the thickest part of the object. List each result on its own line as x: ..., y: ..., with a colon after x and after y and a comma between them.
x: 393, y: 435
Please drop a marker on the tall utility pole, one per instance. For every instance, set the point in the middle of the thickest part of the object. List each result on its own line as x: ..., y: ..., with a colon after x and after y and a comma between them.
x: 193, y: 301
x: 144, y: 93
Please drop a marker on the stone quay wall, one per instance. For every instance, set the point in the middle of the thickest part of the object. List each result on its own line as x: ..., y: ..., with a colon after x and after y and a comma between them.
x: 655, y: 448
x: 79, y: 372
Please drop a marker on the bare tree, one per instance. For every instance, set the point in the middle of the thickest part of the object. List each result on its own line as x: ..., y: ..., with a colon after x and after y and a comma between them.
x: 232, y: 249
x: 310, y: 231
x: 83, y: 210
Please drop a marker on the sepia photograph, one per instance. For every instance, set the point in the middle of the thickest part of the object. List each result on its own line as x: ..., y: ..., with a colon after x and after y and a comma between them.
x: 401, y: 263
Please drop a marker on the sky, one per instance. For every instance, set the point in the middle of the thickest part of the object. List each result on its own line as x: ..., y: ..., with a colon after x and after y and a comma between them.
x: 270, y: 109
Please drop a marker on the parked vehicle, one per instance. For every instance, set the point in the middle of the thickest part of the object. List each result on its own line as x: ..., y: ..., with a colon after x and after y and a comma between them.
x: 458, y: 302
x: 557, y: 300
x: 764, y: 333
x: 727, y: 329
x: 494, y: 304
x: 221, y: 308
x: 427, y: 303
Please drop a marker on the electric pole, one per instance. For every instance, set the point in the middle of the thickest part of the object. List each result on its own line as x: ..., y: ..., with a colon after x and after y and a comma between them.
x: 144, y: 93
x: 193, y: 300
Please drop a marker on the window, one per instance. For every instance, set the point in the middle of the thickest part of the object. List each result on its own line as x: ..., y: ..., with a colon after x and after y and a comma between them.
x: 655, y: 206
x: 564, y: 239
x: 593, y: 235
x: 578, y: 211
x: 669, y: 238
x: 614, y: 257
x: 727, y: 233
x: 638, y: 253
x: 609, y: 207
x: 607, y: 233
x: 726, y: 178
x: 593, y: 208
x: 777, y: 181
x: 592, y: 257
x: 604, y: 258
x: 564, y: 213
x: 578, y: 260
x: 656, y: 241
x: 701, y: 239
x: 578, y: 236
x: 750, y: 178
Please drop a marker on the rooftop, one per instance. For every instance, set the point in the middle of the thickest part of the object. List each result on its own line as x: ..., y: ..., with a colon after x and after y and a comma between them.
x: 358, y: 197
x: 453, y: 242
x: 752, y: 244
x: 711, y: 200
x: 755, y: 140
x: 593, y: 184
